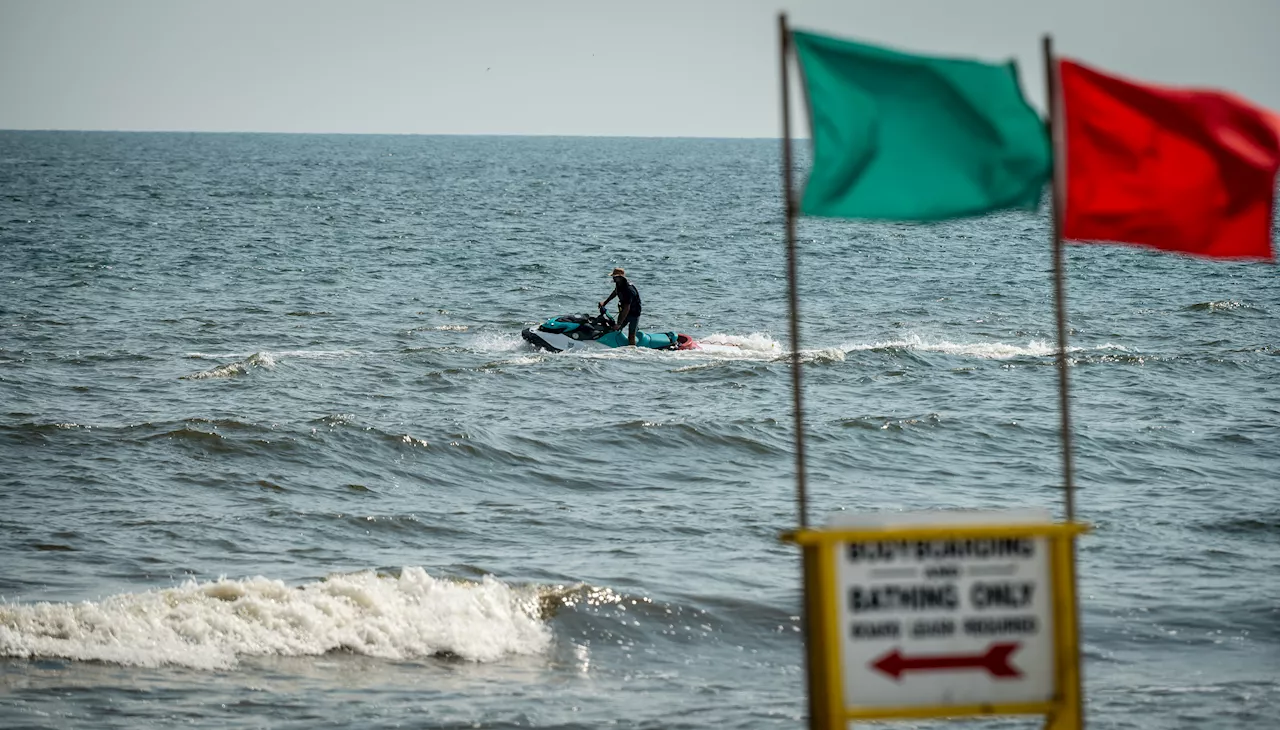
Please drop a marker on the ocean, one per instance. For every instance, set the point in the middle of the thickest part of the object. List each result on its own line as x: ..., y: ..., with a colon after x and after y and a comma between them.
x: 274, y: 454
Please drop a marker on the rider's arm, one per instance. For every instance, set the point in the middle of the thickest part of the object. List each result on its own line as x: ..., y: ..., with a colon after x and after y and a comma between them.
x: 624, y: 310
x: 609, y: 298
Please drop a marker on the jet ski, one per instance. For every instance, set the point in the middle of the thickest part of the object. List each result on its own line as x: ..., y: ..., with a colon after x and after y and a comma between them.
x: 575, y: 331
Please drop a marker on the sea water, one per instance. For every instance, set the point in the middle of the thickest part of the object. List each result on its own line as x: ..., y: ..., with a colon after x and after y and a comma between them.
x: 273, y: 453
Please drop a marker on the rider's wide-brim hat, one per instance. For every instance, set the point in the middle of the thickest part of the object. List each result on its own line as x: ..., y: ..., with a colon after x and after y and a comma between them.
x: 619, y: 271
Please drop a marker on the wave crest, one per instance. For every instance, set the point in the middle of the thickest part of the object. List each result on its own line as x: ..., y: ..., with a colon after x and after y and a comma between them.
x: 1222, y: 306
x: 210, y: 625
x: 237, y: 368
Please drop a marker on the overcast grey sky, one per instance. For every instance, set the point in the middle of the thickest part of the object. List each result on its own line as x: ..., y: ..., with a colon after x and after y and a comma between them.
x: 643, y: 68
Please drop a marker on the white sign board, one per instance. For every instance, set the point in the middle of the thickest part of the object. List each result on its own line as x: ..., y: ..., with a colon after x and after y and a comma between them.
x: 945, y: 622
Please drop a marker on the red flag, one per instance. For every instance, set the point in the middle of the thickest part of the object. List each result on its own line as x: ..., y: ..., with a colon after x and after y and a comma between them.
x: 1178, y: 169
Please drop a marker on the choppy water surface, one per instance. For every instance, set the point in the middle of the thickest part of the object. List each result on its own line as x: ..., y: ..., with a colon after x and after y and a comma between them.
x: 272, y: 452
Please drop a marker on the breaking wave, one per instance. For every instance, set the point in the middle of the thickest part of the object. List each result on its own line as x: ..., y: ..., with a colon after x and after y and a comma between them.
x: 299, y: 354
x: 237, y: 368
x: 211, y: 625
x: 1222, y: 306
x: 247, y: 362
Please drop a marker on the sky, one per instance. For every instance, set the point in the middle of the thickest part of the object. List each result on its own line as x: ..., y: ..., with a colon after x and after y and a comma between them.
x: 696, y: 68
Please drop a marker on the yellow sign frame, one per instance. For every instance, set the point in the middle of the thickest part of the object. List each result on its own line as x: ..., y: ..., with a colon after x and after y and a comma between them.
x: 1063, y: 712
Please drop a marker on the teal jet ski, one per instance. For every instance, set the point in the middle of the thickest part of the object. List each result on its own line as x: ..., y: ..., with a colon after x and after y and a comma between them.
x: 574, y: 331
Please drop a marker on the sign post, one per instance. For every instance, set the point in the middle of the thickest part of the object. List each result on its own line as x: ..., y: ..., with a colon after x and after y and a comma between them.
x: 943, y: 614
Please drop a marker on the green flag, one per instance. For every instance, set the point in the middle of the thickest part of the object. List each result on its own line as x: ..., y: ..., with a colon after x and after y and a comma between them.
x: 916, y: 138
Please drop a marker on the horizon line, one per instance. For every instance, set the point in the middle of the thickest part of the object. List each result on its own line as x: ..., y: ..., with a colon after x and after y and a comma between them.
x: 388, y: 134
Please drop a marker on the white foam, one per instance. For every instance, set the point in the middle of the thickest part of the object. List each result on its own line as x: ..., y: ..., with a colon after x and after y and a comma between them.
x: 826, y: 354
x: 985, y: 350
x: 1106, y: 346
x: 450, y: 328
x: 759, y: 346
x: 515, y: 361
x: 499, y: 342
x: 317, y: 354
x: 302, y: 354
x: 754, y: 342
x: 698, y: 366
x: 210, y: 625
x: 1223, y: 306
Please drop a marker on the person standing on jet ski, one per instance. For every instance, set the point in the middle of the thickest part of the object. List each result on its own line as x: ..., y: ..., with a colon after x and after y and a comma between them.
x: 628, y: 304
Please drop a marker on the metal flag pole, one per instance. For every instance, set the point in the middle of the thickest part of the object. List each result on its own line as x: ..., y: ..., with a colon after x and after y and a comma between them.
x: 789, y: 207
x: 812, y: 588
x: 1073, y: 717
x: 1059, y: 276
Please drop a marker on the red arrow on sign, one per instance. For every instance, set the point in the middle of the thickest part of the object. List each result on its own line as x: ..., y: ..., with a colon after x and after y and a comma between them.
x: 995, y: 660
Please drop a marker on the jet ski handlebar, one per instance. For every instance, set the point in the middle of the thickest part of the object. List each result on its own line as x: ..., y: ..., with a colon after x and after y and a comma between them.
x: 604, y: 315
